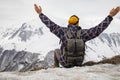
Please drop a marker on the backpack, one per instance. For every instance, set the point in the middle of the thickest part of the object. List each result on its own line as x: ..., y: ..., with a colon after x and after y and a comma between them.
x: 74, y: 50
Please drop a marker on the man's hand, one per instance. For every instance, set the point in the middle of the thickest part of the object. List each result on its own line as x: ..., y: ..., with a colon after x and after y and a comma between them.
x: 37, y: 9
x: 113, y: 12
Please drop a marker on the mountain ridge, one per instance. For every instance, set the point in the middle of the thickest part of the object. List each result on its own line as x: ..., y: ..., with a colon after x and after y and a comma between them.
x: 32, y: 39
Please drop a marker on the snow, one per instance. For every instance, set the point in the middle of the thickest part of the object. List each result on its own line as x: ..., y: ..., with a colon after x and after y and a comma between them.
x: 36, y: 43
x: 97, y: 72
x: 96, y: 51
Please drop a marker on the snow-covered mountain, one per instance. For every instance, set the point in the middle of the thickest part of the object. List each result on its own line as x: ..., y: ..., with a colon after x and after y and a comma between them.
x: 24, y: 33
x: 29, y: 38
x: 104, y: 46
x: 21, y: 44
x: 32, y: 38
x: 38, y: 39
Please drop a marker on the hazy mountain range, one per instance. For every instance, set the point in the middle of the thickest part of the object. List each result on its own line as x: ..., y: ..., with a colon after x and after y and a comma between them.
x: 34, y: 42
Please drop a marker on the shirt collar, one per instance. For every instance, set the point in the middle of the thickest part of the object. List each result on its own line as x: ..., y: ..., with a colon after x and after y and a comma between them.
x: 74, y: 27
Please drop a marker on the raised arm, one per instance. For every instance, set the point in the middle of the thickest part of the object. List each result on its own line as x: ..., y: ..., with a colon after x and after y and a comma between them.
x: 54, y: 28
x: 97, y: 30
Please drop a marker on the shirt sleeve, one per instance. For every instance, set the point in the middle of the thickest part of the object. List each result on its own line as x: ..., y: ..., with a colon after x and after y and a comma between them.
x: 93, y: 32
x: 54, y: 28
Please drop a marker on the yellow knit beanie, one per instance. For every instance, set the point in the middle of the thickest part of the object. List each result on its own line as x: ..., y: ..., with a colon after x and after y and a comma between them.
x: 73, y: 20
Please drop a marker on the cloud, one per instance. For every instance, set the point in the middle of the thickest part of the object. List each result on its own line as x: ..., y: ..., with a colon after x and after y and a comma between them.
x: 23, y: 10
x: 16, y: 11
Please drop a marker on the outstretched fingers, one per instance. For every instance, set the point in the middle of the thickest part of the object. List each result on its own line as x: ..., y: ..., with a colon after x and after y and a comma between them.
x: 117, y: 9
x: 114, y: 11
x: 37, y: 9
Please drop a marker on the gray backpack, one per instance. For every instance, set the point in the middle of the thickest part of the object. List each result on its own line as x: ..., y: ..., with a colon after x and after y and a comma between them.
x: 75, y: 49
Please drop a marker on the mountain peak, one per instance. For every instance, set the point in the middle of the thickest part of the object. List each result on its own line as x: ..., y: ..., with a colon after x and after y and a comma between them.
x: 25, y: 32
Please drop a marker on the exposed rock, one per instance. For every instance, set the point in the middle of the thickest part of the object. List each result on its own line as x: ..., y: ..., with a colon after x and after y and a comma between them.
x: 11, y: 60
x: 49, y: 59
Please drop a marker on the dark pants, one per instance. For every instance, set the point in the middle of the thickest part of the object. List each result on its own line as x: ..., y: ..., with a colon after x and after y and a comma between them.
x: 56, y: 57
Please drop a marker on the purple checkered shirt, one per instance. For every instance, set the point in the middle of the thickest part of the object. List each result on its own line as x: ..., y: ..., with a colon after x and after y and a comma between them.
x: 86, y: 34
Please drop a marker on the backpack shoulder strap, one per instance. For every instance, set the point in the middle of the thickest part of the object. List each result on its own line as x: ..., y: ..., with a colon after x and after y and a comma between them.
x: 79, y: 34
x: 69, y: 34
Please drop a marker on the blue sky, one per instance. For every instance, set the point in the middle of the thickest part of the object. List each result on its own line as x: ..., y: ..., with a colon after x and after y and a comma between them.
x: 14, y: 11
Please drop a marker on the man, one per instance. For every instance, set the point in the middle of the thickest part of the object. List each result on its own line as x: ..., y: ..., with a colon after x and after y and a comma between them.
x: 73, y: 37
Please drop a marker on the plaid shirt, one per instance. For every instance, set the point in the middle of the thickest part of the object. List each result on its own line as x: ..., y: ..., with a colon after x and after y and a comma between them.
x: 86, y: 34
